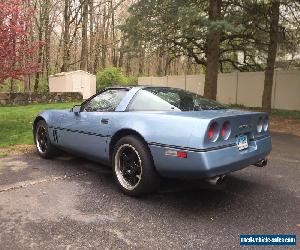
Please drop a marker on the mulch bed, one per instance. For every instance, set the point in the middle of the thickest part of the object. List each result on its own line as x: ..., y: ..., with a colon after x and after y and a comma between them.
x: 285, y: 125
x: 18, y: 149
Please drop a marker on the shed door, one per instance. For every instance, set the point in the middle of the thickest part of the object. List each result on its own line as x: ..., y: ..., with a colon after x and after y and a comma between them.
x: 77, y: 83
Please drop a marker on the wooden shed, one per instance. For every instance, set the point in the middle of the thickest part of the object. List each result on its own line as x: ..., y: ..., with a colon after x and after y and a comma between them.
x: 73, y: 81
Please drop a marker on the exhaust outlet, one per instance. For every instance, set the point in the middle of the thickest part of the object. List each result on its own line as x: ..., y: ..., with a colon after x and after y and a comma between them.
x: 218, y: 180
x: 261, y: 163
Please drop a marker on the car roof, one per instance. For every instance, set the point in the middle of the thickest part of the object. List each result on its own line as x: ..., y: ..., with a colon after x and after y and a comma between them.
x: 118, y: 87
x: 140, y: 87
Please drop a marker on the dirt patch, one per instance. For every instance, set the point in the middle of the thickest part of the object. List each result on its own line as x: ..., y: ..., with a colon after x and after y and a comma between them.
x: 17, y: 149
x: 285, y: 125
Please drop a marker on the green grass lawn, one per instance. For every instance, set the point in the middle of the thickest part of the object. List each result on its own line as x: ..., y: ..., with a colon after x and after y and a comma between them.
x: 286, y: 113
x: 16, y: 122
x: 2, y: 154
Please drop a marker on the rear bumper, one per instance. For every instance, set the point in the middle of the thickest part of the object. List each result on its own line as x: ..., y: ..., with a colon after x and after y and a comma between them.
x: 210, y: 163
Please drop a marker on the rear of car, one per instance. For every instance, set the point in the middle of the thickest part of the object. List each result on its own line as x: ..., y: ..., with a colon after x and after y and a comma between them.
x: 229, y: 141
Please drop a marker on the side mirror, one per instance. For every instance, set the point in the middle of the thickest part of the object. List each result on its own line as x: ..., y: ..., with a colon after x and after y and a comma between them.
x: 76, y: 109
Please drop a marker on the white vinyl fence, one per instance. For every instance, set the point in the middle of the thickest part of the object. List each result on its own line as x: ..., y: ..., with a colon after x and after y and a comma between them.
x: 242, y: 88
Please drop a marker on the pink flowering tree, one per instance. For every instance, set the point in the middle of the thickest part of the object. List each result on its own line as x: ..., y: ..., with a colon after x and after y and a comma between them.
x: 17, y: 50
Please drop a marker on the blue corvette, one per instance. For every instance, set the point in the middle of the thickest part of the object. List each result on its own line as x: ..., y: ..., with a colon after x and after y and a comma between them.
x: 146, y: 133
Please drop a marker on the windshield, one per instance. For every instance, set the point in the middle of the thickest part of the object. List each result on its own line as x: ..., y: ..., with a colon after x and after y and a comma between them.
x: 168, y: 99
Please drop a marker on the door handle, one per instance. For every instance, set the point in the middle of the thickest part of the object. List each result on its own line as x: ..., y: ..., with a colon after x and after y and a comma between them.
x: 104, y: 121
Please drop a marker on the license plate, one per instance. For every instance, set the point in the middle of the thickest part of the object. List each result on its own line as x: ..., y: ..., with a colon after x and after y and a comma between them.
x: 242, y: 142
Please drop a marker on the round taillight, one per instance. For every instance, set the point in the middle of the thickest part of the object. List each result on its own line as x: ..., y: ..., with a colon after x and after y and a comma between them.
x: 226, y: 130
x: 212, y: 132
x: 259, y: 125
x: 266, y: 124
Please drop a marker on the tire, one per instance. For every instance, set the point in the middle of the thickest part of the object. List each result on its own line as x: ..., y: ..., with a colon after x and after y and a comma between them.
x: 42, y: 141
x: 133, y: 167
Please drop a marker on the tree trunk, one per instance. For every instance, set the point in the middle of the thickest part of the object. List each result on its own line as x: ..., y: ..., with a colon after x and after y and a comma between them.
x: 12, y: 85
x: 159, y: 69
x: 30, y: 30
x: 168, y: 65
x: 40, y: 58
x: 141, y: 59
x: 27, y: 84
x: 96, y: 64
x: 104, y: 37
x: 212, y: 51
x: 121, y: 55
x: 92, y: 52
x: 84, y: 41
x: 272, y: 51
x: 66, y: 37
x: 113, y: 34
x: 128, y: 65
x: 47, y: 38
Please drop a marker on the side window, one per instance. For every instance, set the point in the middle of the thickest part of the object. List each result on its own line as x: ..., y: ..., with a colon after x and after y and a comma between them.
x: 145, y: 100
x: 170, y: 97
x: 106, y: 101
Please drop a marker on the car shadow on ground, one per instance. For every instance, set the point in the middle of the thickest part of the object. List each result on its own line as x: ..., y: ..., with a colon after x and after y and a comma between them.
x: 239, y: 188
x: 235, y: 187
